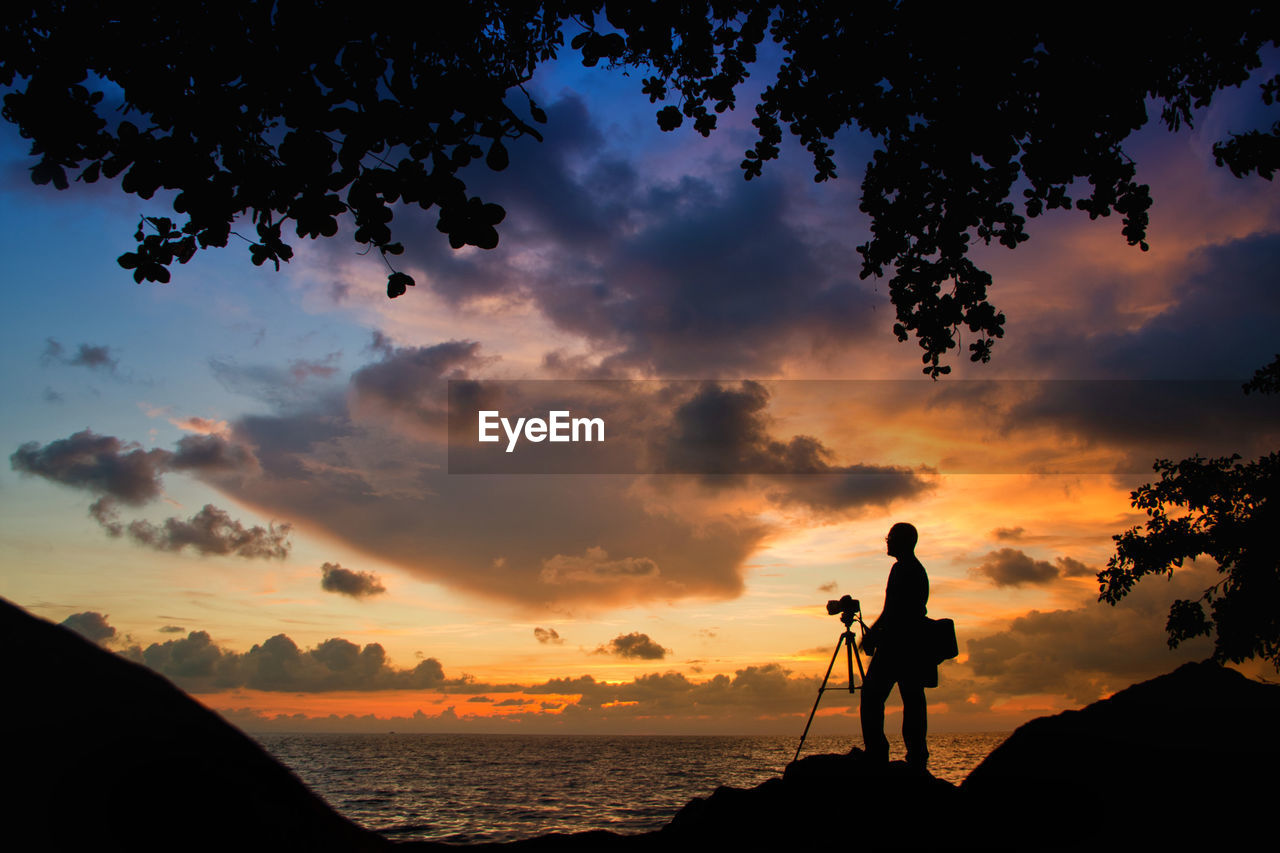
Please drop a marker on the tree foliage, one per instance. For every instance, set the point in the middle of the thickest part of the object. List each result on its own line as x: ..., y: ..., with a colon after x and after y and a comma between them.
x: 983, y: 125
x: 285, y: 113
x: 295, y: 114
x: 1225, y: 510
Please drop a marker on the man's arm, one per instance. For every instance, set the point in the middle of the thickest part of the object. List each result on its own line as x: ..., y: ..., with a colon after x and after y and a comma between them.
x: 871, y: 636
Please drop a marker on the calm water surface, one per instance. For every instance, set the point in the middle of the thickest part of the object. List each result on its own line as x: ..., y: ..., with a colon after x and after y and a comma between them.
x: 469, y: 788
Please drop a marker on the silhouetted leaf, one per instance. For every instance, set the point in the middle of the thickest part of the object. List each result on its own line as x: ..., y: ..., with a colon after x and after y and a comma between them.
x: 397, y: 282
x: 497, y: 158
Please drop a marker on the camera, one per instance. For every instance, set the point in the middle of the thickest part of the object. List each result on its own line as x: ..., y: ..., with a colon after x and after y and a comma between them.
x: 847, y: 606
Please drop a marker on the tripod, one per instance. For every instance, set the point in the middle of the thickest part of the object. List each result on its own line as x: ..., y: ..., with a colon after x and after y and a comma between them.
x: 850, y: 643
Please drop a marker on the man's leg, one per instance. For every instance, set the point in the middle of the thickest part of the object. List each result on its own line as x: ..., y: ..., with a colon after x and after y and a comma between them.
x: 914, y: 722
x: 875, y: 690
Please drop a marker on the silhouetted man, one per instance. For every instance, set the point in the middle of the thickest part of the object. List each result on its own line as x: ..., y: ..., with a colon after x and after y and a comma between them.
x: 897, y: 644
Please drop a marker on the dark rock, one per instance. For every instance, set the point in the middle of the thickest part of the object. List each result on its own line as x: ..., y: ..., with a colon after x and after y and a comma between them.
x: 836, y: 801
x: 103, y: 754
x: 1188, y: 757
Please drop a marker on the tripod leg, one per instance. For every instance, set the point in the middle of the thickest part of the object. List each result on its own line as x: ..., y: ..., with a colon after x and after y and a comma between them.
x: 821, y: 689
x: 848, y: 656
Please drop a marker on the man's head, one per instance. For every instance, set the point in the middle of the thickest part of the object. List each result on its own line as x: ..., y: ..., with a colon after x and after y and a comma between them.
x: 901, y: 541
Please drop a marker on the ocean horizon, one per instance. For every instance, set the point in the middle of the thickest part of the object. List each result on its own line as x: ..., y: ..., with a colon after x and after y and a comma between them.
x: 505, y: 787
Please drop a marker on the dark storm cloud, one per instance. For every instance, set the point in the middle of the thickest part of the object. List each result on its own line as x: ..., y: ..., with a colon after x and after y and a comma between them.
x: 548, y: 635
x: 287, y: 437
x: 87, y: 355
x: 1150, y: 420
x: 197, y: 663
x: 714, y: 283
x: 1221, y: 326
x: 724, y: 430
x: 212, y: 453
x: 336, y: 664
x: 194, y: 656
x: 635, y: 646
x: 850, y: 487
x: 123, y: 471
x: 1085, y: 652
x: 91, y: 625
x: 721, y: 430
x: 385, y: 491
x: 338, y: 465
x: 562, y: 189
x: 100, y: 464
x: 334, y: 578
x: 1208, y: 331
x: 106, y: 512
x: 1070, y: 568
x: 1093, y: 426
x: 673, y: 276
x: 342, y: 466
x: 1011, y: 567
x: 561, y: 197
x: 408, y: 380
x: 213, y: 531
x: 93, y: 356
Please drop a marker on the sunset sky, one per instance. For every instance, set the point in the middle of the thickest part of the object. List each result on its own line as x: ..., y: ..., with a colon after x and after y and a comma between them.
x: 242, y: 477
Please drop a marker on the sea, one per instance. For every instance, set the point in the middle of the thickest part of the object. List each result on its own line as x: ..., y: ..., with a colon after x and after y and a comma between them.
x: 474, y: 788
